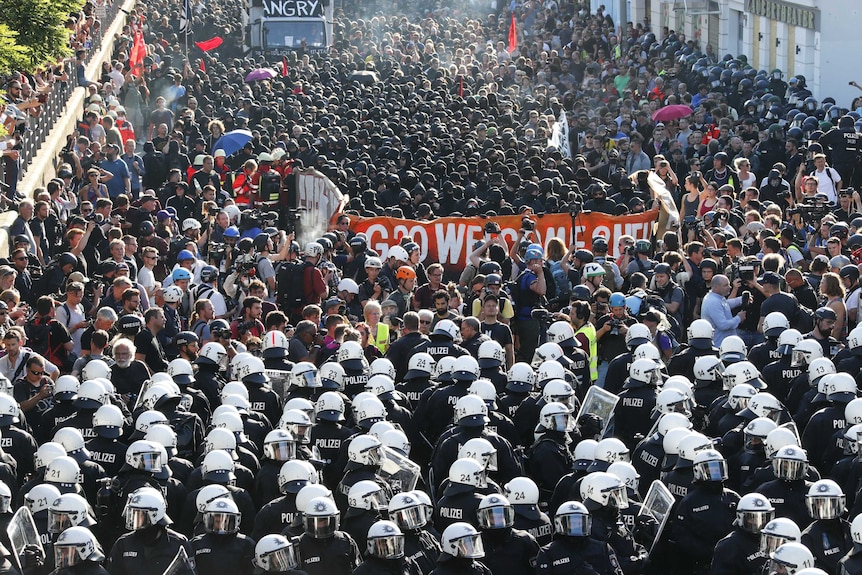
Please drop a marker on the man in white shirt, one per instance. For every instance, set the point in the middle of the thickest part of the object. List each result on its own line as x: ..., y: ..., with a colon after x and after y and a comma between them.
x: 828, y: 179
x: 12, y: 365
x: 72, y: 315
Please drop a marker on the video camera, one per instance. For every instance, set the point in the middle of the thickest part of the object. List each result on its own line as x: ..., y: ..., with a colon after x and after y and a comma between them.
x: 216, y: 251
x: 257, y: 219
x: 812, y: 210
x: 691, y: 223
x: 293, y: 216
x: 745, y: 270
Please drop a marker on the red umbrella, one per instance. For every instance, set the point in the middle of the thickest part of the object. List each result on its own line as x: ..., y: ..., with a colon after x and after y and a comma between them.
x: 672, y: 112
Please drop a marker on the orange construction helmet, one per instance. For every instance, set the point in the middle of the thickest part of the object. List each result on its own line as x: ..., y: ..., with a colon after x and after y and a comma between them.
x: 405, y: 273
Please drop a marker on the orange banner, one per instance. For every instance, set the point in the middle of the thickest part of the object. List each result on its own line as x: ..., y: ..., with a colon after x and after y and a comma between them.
x: 450, y: 240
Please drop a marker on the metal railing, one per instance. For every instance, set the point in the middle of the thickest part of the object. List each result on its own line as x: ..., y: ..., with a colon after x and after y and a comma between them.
x: 38, y: 129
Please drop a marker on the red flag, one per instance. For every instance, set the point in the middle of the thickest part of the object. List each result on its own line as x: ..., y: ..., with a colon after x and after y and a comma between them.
x: 201, y: 66
x: 461, y: 86
x: 137, y: 53
x: 283, y: 66
x: 210, y: 44
x: 513, y: 35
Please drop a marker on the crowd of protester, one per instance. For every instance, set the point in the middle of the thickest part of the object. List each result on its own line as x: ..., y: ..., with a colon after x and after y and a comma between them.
x: 191, y: 381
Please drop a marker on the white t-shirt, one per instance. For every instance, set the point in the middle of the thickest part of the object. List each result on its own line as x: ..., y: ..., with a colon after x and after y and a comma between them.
x: 70, y: 319
x: 8, y: 369
x: 148, y: 281
x: 827, y: 182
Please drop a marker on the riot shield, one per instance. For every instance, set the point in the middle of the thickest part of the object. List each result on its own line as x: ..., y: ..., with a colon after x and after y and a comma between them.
x: 22, y: 532
x: 279, y: 380
x: 398, y: 471
x: 180, y: 564
x: 658, y: 502
x: 599, y: 402
x: 792, y: 427
x: 140, y: 399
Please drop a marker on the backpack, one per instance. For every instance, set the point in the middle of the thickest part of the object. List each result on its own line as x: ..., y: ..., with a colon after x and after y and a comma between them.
x: 561, y: 280
x: 270, y: 186
x: 38, y: 336
x: 291, y: 285
x: 609, y: 279
x: 804, y: 320
x: 41, y: 286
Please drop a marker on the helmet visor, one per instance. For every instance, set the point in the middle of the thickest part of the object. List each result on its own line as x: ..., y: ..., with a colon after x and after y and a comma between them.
x: 411, y: 517
x: 59, y: 521
x: 798, y: 358
x: 469, y: 547
x: 769, y: 542
x: 563, y: 422
x: 824, y: 507
x: 374, y: 455
x: 309, y: 379
x: 789, y: 469
x: 754, y: 521
x: 377, y: 499
x: 283, y: 559
x: 496, y: 517
x: 390, y: 547
x: 300, y: 431
x: 151, y: 462
x: 618, y: 498
x: 221, y: 523
x: 321, y: 527
x: 567, y: 400
x: 573, y: 525
x: 711, y: 471
x: 136, y: 518
x: 65, y: 556
x: 281, y: 450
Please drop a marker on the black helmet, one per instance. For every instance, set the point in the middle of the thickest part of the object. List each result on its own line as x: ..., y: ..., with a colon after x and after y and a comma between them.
x: 662, y: 269
x: 825, y: 313
x: 721, y: 157
x: 600, y: 244
x: 584, y: 256
x: 219, y: 327
x: 839, y: 230
x: 849, y: 271
x: 846, y: 122
x: 260, y: 241
x: 130, y: 324
x: 358, y: 245
x: 490, y: 267
x: 147, y: 228
x: 581, y: 293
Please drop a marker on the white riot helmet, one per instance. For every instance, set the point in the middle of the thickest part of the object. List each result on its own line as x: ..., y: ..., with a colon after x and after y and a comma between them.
x: 234, y: 388
x: 548, y: 351
x: 774, y: 324
x: 585, y: 453
x: 791, y: 558
x: 462, y: 540
x: 465, y: 368
x: 145, y: 507
x: 63, y: 471
x: 447, y: 328
x: 297, y: 423
x: 301, y: 404
x: 707, y: 369
x: 108, y: 421
x: 181, y: 371
x: 637, y: 335
x: 788, y: 340
x: 274, y: 344
x: 790, y: 463
x: 611, y: 450
x: 351, y: 356
x: 68, y: 510
x: 382, y: 366
x: 672, y: 420
x: 670, y: 445
x: 856, y: 529
x: 408, y: 511
x: 486, y: 390
x: 379, y: 428
x: 778, y: 438
x: 556, y: 416
x: 559, y: 391
x: 644, y: 372
x: 702, y: 332
x: 212, y: 353
x: 521, y: 378
x: 689, y: 446
x: 522, y: 491
x: 481, y: 450
x: 276, y: 553
x: 755, y: 433
x: 851, y: 439
x: 573, y: 519
x: 550, y: 370
x: 627, y: 474
x: 672, y: 401
x: 209, y: 493
x: 599, y: 489
x: 331, y: 376
x: 329, y: 407
x: 468, y: 471
x: 742, y: 372
x: 321, y: 517
x: 91, y: 395
x: 732, y: 350
x: 495, y: 512
x: 753, y: 512
x: 309, y: 492
x: 397, y: 440
x: 471, y: 411
x: 853, y: 411
x: 825, y: 500
x: 647, y: 351
x: 296, y: 474
x: 75, y: 545
x: 221, y: 439
x: 777, y: 532
x: 854, y: 340
x: 818, y: 368
x: 491, y: 354
x: 41, y: 497
x: 443, y: 369
x: 46, y: 453
x: 95, y: 368
x: 144, y: 455
x: 739, y: 396
x: 66, y: 387
x: 561, y: 333
x: 366, y: 450
x: 71, y: 440
x: 841, y: 388
x: 381, y: 385
x: 222, y: 516
x: 709, y: 465
x: 5, y: 498
x: 218, y: 466
x: 804, y: 352
x: 367, y: 495
x: 420, y: 366
x: 385, y: 540
x: 762, y: 405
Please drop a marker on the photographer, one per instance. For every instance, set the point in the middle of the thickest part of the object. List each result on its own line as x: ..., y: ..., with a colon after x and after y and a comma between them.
x: 611, y: 330
x: 34, y: 391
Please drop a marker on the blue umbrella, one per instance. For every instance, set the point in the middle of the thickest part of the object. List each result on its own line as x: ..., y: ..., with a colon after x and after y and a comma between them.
x: 232, y: 141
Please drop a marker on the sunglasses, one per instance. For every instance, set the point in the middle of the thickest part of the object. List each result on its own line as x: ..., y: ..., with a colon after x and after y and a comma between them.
x: 37, y: 372
x: 24, y: 259
x: 424, y: 322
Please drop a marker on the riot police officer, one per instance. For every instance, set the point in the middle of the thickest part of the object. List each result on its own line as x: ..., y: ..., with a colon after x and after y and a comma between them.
x: 508, y: 550
x: 460, y: 498
x: 412, y: 516
x: 523, y: 493
x: 461, y: 545
x: 385, y: 552
x: 787, y: 492
x: 222, y: 549
x: 828, y: 537
x: 637, y: 400
x: 77, y: 552
x: 740, y: 551
x: 273, y: 515
x: 324, y: 549
x: 573, y: 550
x: 106, y: 448
x: 277, y: 555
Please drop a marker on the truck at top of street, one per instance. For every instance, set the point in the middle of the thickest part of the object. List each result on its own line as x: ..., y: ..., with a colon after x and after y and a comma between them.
x: 277, y: 27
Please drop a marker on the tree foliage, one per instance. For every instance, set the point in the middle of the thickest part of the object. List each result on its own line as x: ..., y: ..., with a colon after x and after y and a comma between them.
x: 40, y: 29
x: 12, y: 55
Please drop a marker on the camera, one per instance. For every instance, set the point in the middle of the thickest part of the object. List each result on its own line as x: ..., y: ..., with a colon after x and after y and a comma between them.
x: 691, y: 223
x: 293, y: 216
x: 615, y: 326
x: 630, y: 251
x: 714, y: 252
x: 528, y: 225
x: 216, y: 251
x: 543, y: 316
x: 743, y: 271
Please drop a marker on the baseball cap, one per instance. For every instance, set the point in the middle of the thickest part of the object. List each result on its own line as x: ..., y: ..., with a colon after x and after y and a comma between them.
x: 771, y: 278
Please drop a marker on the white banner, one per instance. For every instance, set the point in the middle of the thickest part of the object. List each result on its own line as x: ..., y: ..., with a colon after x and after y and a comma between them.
x: 318, y: 199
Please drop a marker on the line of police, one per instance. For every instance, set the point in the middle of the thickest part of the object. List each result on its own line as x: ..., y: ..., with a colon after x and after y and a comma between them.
x: 453, y: 468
